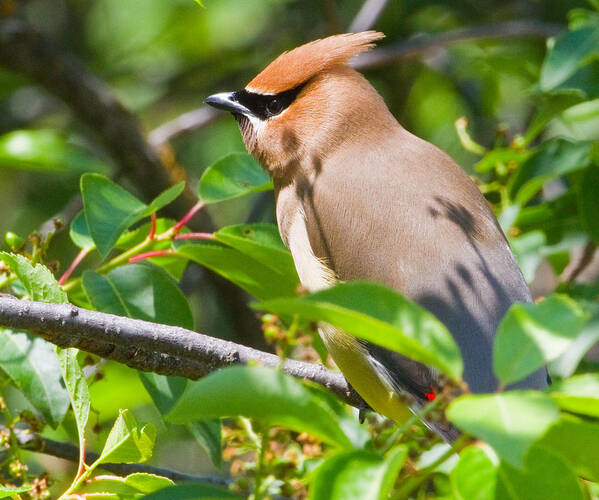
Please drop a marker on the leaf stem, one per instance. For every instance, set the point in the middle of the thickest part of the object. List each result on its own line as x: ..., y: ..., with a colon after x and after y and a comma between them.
x: 153, y: 253
x: 152, y: 227
x: 259, y: 476
x: 110, y: 265
x: 461, y: 126
x: 194, y: 210
x: 195, y: 236
x: 170, y: 234
x: 76, y: 261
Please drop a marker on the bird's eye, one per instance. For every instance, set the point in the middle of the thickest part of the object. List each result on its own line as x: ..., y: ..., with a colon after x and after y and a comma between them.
x: 274, y: 106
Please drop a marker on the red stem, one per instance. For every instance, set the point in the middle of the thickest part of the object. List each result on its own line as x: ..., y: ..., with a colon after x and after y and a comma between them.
x: 153, y: 253
x: 152, y: 227
x: 76, y: 261
x: 195, y: 209
x: 195, y: 236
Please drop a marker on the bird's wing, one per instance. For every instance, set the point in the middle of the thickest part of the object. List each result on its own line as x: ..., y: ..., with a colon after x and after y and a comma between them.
x: 414, y: 221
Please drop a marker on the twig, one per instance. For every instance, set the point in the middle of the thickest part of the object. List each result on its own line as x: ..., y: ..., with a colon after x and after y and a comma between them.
x: 186, y: 122
x: 36, y: 443
x: 368, y: 15
x: 164, y: 349
x: 418, y: 45
x: 30, y: 53
x: 573, y: 271
x: 382, y: 56
x: 76, y: 261
x: 67, y: 214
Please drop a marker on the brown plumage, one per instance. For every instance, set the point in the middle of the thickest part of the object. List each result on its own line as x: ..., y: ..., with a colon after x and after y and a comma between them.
x: 359, y: 197
x: 292, y: 68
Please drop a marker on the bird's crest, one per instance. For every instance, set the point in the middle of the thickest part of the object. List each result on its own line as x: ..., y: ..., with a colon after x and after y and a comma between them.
x: 297, y: 66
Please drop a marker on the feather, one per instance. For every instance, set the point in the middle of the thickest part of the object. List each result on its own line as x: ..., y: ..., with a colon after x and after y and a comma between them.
x: 359, y: 197
x: 297, y: 66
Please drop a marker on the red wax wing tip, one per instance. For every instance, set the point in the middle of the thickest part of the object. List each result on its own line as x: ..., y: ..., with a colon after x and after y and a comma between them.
x: 430, y: 396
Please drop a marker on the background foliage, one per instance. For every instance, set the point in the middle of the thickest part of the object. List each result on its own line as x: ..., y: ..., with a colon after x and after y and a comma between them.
x: 521, y: 114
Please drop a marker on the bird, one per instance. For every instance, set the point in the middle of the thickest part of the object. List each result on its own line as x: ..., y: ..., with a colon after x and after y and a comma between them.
x: 359, y: 197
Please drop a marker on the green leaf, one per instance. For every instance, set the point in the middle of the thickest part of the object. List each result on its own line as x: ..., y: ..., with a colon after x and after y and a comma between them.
x: 109, y: 210
x: 474, y: 476
x: 165, y: 391
x: 6, y: 492
x: 124, y: 488
x: 77, y: 388
x: 174, y: 265
x: 166, y: 197
x: 588, y: 201
x: 576, y: 441
x: 531, y: 335
x: 191, y: 491
x: 569, y: 53
x: 208, y: 435
x: 510, y: 422
x: 379, y: 315
x: 566, y: 364
x: 262, y: 243
x: 31, y: 364
x: 37, y: 280
x: 549, y: 216
x: 235, y: 175
x: 527, y: 250
x: 578, y: 394
x: 546, y: 477
x: 142, y: 291
x: 552, y: 159
x: 147, y: 483
x: 79, y: 232
x: 501, y: 156
x: 357, y: 475
x: 259, y: 392
x: 254, y: 277
x: 45, y: 150
x: 549, y: 107
x: 126, y: 443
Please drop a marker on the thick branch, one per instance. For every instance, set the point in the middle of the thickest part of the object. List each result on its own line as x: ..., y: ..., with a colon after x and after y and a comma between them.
x: 152, y: 347
x: 67, y: 451
x: 30, y: 53
x: 419, y: 45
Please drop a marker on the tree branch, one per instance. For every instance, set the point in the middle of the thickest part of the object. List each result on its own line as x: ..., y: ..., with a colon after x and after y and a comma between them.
x: 576, y: 267
x: 192, y: 120
x: 38, y: 444
x: 30, y: 53
x: 368, y: 15
x: 422, y: 44
x: 146, y: 346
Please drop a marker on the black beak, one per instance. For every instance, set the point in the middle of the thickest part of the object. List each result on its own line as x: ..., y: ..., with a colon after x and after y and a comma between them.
x: 227, y: 102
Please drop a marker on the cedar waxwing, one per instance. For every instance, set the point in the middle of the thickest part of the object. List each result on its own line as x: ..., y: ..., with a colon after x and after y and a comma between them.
x: 360, y: 197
